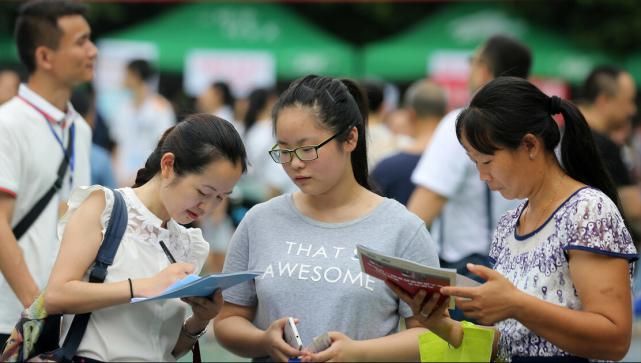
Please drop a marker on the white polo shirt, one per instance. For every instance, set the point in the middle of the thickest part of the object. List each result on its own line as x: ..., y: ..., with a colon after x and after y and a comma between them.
x: 445, y: 168
x: 29, y: 159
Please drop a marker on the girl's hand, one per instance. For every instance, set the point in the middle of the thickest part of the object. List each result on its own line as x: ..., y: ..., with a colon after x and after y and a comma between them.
x: 204, y: 308
x: 491, y: 302
x: 426, y: 310
x: 343, y: 349
x: 161, y: 281
x: 275, y: 344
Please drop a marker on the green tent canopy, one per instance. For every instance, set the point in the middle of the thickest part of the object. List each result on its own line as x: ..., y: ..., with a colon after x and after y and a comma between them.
x: 633, y: 65
x: 462, y: 28
x: 299, y: 48
x: 8, y: 51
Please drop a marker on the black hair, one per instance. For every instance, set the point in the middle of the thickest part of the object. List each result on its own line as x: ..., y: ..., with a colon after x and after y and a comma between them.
x: 337, y: 104
x: 142, y: 69
x: 223, y: 87
x: 601, y: 80
x: 375, y: 94
x: 508, y: 108
x: 195, y: 142
x: 257, y: 101
x: 37, y: 25
x: 506, y: 56
x: 83, y: 99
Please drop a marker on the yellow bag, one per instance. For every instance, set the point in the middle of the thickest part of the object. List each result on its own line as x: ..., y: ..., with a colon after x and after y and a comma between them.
x: 476, y: 346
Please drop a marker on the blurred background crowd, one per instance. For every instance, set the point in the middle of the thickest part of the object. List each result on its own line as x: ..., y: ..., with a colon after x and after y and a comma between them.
x: 160, y: 61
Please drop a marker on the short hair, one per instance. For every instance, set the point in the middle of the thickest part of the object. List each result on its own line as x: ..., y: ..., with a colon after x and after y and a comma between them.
x: 37, y: 25
x: 426, y: 98
x: 375, y: 91
x: 601, y: 80
x: 142, y: 69
x: 506, y: 56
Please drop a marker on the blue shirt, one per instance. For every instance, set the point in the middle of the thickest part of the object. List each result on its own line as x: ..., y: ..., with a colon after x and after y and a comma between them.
x: 101, y: 170
x: 393, y: 176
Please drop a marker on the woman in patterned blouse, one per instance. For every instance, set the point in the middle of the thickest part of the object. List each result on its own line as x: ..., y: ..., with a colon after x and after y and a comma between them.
x: 563, y: 260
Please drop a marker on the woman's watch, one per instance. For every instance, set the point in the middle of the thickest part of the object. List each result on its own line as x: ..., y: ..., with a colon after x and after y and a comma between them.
x: 192, y: 336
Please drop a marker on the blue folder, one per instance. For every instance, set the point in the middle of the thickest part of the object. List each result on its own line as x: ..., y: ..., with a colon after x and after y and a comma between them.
x: 194, y: 285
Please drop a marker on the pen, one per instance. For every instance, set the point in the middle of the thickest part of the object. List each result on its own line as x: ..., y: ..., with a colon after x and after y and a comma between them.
x: 167, y: 253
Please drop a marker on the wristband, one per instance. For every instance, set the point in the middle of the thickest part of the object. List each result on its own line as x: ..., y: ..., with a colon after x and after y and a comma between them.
x: 131, y: 288
x: 192, y: 336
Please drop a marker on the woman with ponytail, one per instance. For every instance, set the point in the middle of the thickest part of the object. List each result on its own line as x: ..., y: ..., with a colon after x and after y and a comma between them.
x: 194, y: 167
x: 305, y: 241
x: 560, y: 287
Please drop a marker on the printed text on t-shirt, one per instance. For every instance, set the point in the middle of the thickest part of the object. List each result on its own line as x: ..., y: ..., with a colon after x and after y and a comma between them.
x: 317, y: 272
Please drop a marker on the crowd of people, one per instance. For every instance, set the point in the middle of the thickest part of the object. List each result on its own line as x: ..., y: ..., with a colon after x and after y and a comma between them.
x: 536, y: 197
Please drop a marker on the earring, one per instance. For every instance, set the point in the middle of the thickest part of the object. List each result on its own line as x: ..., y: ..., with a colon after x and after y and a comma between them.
x: 531, y: 157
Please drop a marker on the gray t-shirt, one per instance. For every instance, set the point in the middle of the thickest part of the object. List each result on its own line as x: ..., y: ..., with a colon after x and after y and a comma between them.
x: 312, y: 272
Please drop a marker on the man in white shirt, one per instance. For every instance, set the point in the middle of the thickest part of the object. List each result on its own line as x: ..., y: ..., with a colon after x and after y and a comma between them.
x: 449, y: 194
x: 140, y: 123
x: 37, y: 127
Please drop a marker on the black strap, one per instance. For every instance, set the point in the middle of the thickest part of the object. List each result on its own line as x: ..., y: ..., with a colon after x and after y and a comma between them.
x: 105, y: 257
x: 195, y: 353
x: 26, y: 221
x: 489, y: 212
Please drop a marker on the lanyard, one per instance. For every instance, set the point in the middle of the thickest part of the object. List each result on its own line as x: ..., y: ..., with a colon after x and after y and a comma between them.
x: 69, y: 152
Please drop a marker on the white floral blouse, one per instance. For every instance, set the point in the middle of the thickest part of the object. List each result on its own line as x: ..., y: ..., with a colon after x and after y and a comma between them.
x: 145, y: 331
x: 537, y: 263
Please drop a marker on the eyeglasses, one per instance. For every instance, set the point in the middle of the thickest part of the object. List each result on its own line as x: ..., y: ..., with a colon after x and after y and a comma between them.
x: 303, y: 153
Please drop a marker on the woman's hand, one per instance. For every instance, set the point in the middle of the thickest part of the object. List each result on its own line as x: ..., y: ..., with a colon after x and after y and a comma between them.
x: 205, y: 308
x: 491, y: 302
x: 274, y: 343
x: 427, y: 311
x: 432, y: 314
x: 343, y: 349
x: 162, y: 280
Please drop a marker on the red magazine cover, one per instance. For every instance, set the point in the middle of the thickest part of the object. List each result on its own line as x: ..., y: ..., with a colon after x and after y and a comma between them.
x: 408, y: 275
x: 411, y: 282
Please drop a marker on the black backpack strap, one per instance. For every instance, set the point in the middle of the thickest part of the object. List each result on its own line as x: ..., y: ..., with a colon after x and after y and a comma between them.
x: 105, y: 257
x: 26, y: 221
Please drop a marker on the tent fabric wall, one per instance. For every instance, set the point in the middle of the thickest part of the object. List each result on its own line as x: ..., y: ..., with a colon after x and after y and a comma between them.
x: 8, y: 51
x: 463, y: 27
x: 633, y: 65
x: 299, y: 48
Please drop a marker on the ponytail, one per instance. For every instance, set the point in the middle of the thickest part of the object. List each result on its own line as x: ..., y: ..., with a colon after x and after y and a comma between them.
x: 152, y: 165
x: 507, y: 108
x: 579, y: 155
x: 359, y: 155
x: 195, y: 142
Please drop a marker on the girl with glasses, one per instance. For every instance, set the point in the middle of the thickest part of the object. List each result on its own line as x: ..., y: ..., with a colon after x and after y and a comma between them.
x: 305, y: 242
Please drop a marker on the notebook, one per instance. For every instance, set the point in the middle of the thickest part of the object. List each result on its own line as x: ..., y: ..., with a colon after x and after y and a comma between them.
x: 203, y: 286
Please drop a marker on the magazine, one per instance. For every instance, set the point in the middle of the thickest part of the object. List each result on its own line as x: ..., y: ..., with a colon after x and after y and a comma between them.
x: 410, y: 276
x: 194, y: 285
